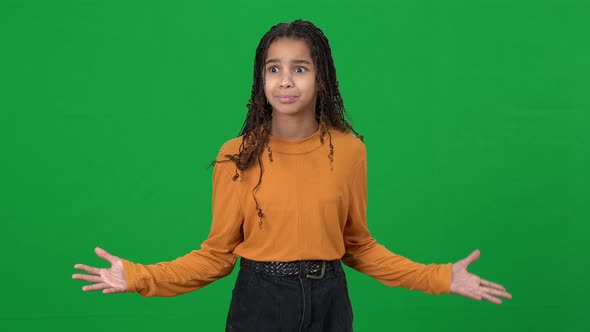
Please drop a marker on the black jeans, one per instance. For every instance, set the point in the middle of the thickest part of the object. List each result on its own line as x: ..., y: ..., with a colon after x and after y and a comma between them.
x: 293, y: 303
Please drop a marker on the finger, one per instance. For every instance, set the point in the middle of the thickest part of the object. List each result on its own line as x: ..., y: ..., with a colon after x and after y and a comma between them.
x: 87, y: 277
x: 490, y: 298
x: 490, y: 284
x: 88, y: 269
x: 112, y: 290
x: 472, y: 257
x: 94, y: 287
x: 472, y: 295
x: 105, y: 255
x: 497, y: 293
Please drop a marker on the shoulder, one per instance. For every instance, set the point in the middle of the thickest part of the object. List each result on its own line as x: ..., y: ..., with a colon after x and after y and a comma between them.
x: 231, y: 146
x: 348, y: 142
x: 228, y: 148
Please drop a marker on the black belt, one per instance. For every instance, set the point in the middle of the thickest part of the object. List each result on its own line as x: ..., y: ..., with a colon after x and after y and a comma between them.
x: 310, y: 269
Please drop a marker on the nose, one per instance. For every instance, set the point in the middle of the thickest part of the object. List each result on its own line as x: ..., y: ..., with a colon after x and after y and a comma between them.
x: 286, y: 81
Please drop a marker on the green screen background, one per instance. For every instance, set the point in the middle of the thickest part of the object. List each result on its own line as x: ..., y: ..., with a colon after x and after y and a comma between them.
x: 475, y: 116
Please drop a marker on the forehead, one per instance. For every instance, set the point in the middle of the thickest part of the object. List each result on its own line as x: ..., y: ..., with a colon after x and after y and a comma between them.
x: 288, y: 49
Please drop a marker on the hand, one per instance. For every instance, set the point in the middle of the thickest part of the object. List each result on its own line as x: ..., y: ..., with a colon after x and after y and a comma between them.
x: 469, y: 285
x: 110, y: 280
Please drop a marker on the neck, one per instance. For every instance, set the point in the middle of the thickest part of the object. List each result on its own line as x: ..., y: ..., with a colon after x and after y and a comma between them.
x: 291, y: 127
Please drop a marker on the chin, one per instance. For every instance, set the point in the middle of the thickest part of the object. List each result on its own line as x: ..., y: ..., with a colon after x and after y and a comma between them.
x: 289, y: 110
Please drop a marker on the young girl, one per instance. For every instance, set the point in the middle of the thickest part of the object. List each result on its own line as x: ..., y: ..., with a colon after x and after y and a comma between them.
x: 289, y: 198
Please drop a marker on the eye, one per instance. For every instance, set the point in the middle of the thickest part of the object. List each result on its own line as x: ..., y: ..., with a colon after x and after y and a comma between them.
x: 300, y: 69
x: 273, y: 69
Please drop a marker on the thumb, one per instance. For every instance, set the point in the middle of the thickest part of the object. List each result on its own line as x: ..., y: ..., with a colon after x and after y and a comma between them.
x: 471, y: 258
x: 105, y: 255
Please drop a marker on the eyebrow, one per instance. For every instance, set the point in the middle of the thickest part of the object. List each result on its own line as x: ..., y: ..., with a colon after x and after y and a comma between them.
x: 296, y: 61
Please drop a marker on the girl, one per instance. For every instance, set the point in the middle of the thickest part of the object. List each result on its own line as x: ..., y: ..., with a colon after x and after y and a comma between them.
x: 289, y: 198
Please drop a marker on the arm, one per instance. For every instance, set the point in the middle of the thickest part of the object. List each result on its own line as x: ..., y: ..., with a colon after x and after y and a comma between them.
x: 192, y: 271
x: 365, y: 255
x: 213, y: 261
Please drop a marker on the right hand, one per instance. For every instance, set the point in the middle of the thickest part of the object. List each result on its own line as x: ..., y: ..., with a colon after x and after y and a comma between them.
x: 110, y: 281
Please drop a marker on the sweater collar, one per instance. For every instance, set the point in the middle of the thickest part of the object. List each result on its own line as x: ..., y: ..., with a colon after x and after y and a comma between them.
x: 296, y: 146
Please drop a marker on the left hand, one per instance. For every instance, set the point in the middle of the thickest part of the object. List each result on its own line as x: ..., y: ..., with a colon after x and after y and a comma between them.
x: 110, y: 281
x: 469, y: 285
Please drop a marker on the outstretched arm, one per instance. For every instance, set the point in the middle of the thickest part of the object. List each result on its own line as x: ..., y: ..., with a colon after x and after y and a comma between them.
x: 190, y: 272
x: 472, y: 286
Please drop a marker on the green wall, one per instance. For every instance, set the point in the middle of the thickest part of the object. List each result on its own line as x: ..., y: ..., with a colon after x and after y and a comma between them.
x: 475, y: 113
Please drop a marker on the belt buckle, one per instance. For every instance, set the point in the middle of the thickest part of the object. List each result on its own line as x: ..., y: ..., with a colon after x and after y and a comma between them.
x: 322, y: 272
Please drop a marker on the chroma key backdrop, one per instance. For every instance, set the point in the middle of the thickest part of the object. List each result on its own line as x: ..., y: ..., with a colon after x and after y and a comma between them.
x: 476, y: 117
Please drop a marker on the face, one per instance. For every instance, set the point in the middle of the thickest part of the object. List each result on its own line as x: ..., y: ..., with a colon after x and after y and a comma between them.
x: 289, y: 78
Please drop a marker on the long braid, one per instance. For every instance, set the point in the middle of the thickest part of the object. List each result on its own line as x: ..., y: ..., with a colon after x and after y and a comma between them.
x: 330, y: 111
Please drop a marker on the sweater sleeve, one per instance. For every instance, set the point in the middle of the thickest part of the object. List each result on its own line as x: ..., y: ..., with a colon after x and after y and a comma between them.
x: 365, y: 255
x: 198, y: 268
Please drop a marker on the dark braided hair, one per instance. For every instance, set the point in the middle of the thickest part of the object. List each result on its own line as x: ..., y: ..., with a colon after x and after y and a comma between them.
x: 329, y: 111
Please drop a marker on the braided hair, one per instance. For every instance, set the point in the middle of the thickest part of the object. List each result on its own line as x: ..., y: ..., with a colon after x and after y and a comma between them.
x: 329, y: 110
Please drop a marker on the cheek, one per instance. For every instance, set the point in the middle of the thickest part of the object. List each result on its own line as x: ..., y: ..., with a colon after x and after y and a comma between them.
x: 267, y: 89
x: 310, y: 83
x: 311, y: 87
x: 268, y: 93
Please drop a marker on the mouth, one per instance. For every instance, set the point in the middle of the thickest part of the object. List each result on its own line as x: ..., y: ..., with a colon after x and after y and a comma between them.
x: 286, y: 99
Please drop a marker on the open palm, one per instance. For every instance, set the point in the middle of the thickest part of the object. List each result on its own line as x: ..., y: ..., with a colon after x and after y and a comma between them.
x: 472, y: 286
x: 111, y: 280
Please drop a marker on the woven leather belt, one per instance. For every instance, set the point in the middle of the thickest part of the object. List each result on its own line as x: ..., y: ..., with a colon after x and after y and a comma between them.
x: 310, y: 269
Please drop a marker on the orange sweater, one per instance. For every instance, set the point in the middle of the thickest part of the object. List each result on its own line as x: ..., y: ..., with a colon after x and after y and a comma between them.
x: 310, y: 212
